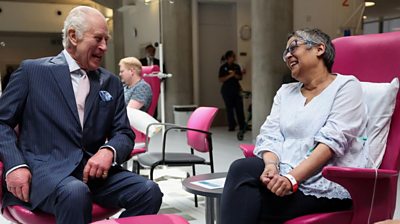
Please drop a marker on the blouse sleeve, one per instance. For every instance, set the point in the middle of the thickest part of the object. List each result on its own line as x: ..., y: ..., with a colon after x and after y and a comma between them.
x: 270, y: 137
x: 347, y: 119
x: 142, y: 94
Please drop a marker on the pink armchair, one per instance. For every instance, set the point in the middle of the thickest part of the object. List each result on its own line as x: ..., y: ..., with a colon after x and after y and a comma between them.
x: 371, y: 58
x: 154, y: 82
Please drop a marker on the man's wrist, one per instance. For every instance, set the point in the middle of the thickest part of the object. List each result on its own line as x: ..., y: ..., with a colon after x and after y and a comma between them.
x: 114, y: 152
x: 16, y: 167
x: 109, y: 150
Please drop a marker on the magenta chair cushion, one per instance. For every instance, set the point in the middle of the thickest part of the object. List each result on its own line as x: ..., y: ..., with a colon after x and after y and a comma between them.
x: 247, y: 149
x: 23, y: 215
x: 324, y: 218
x: 200, y: 119
x: 155, y: 84
x: 147, y: 219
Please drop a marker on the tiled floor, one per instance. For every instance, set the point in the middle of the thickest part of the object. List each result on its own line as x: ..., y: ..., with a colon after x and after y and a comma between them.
x: 176, y: 200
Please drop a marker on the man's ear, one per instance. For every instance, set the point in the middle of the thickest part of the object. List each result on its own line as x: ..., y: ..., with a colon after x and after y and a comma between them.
x: 72, y: 37
x: 320, y: 49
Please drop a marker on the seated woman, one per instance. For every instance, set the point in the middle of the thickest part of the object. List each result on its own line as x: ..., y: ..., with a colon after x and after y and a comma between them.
x: 316, y: 122
x: 137, y: 92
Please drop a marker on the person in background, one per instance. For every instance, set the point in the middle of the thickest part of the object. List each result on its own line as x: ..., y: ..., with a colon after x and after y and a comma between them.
x: 149, y: 60
x: 137, y: 92
x: 73, y: 131
x: 316, y: 122
x: 230, y: 74
x: 150, y: 56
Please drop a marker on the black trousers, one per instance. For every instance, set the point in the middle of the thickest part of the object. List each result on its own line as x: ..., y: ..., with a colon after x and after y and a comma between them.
x: 234, y: 104
x: 245, y: 200
x: 72, y: 200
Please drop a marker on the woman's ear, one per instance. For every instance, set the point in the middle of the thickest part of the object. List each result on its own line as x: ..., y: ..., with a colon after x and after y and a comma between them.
x: 320, y: 49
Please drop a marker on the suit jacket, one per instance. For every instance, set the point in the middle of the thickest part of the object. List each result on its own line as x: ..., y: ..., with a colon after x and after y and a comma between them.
x: 40, y: 99
x: 144, y: 61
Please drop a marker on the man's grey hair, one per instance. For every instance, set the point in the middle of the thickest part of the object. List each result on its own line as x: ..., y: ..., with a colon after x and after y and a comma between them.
x: 316, y: 37
x: 76, y: 20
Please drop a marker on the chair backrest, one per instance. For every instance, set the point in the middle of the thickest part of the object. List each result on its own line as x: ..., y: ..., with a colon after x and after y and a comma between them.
x: 201, y: 119
x: 374, y: 58
x: 155, y: 84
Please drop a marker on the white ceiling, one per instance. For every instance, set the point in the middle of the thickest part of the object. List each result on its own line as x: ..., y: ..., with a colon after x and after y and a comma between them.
x: 384, y: 9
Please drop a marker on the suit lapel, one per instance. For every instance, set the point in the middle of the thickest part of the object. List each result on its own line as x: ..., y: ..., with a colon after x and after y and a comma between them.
x: 95, y: 79
x: 62, y: 76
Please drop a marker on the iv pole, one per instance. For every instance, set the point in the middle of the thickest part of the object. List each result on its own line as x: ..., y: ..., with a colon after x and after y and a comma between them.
x: 162, y: 87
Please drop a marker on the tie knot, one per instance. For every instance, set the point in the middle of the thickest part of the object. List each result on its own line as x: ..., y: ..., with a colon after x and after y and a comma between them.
x: 80, y: 72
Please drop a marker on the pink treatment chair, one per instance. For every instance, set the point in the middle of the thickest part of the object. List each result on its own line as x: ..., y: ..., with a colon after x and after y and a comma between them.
x: 155, y: 84
x: 371, y: 58
x: 147, y: 219
x: 198, y: 138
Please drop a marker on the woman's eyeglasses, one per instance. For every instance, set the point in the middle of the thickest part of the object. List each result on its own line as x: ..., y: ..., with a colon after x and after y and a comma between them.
x: 293, y: 46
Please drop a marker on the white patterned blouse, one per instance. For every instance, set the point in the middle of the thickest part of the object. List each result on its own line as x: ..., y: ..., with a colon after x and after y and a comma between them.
x: 336, y: 117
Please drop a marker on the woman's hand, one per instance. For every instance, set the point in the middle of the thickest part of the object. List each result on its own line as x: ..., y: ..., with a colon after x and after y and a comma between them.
x: 269, y: 171
x: 279, y: 185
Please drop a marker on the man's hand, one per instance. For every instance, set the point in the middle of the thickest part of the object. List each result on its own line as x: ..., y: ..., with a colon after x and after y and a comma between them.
x: 98, y: 165
x: 18, y: 183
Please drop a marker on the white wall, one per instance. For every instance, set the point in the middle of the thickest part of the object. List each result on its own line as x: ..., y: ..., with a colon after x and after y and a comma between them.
x: 30, y: 30
x: 328, y: 15
x: 32, y: 17
x: 145, y: 20
x: 243, y: 15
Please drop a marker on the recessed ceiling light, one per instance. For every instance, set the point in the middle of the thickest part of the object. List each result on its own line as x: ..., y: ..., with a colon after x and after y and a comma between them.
x: 368, y: 4
x: 365, y: 17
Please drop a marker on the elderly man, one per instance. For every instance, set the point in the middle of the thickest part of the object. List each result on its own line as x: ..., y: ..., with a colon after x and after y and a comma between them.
x: 73, y: 131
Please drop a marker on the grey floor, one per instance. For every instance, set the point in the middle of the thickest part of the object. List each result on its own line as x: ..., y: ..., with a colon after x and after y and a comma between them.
x: 176, y: 200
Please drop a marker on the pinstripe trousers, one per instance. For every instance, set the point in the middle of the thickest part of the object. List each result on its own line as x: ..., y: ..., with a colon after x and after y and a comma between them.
x: 72, y: 200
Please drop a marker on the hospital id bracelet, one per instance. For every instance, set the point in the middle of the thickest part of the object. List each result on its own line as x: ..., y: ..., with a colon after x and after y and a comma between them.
x: 293, y: 181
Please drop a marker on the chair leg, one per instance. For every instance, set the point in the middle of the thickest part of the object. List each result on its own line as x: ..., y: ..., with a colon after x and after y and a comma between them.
x: 138, y: 167
x: 151, y: 172
x: 196, y: 203
x: 135, y: 164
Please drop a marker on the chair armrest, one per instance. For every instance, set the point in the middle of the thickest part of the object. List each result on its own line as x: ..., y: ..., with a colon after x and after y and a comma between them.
x: 188, y: 129
x: 349, y: 172
x: 367, y: 187
x: 247, y: 150
x: 176, y: 127
x: 154, y: 124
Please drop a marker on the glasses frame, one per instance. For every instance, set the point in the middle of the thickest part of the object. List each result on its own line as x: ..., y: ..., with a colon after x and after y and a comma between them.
x: 292, y: 47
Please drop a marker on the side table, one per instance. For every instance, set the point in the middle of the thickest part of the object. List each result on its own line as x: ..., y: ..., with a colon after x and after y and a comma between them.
x: 212, y: 196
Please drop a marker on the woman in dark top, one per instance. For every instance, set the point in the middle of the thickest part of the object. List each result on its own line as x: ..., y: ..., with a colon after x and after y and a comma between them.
x: 230, y: 74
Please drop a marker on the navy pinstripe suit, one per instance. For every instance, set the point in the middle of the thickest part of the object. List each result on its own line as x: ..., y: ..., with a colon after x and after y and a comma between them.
x: 41, y: 100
